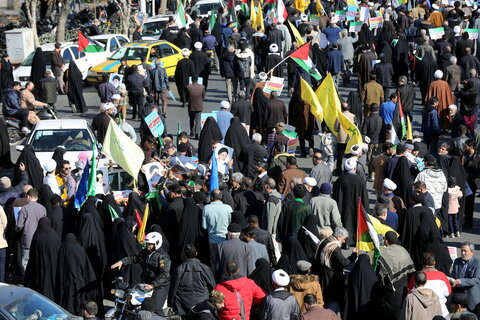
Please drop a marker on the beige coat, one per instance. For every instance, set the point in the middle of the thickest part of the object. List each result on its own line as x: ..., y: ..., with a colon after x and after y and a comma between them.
x: 421, y: 303
x: 301, y: 285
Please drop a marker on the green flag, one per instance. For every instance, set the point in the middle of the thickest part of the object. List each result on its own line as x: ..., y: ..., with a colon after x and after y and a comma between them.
x: 212, y: 21
x: 113, y: 213
x: 92, y: 178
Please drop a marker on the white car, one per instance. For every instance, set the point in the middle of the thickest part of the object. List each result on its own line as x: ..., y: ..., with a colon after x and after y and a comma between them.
x: 204, y: 7
x: 69, y: 51
x: 76, y: 135
x: 153, y: 27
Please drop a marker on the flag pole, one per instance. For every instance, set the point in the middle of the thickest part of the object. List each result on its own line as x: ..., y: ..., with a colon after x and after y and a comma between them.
x: 271, y: 70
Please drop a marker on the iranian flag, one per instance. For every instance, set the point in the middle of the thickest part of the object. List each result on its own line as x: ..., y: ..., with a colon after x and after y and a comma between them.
x: 399, y: 124
x: 181, y: 16
x: 302, y: 58
x: 282, y: 13
x: 86, y: 44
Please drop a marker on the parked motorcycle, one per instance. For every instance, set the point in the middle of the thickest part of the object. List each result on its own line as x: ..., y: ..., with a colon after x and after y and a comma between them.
x: 128, y: 301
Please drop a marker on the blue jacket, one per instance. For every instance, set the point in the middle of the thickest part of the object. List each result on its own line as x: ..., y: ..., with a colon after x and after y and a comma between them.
x: 226, y: 64
x: 159, y: 79
x: 226, y: 32
x: 470, y: 283
x: 11, y: 101
x: 430, y: 126
x: 209, y: 42
x: 335, y: 61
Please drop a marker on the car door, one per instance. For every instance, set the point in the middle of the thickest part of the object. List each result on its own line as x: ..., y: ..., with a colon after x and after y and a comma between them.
x: 82, y: 60
x: 169, y: 56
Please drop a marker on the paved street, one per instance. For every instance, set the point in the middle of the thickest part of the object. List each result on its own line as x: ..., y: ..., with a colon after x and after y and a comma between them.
x: 216, y: 93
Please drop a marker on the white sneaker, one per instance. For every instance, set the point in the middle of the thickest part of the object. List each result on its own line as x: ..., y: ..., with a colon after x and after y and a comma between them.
x: 26, y: 130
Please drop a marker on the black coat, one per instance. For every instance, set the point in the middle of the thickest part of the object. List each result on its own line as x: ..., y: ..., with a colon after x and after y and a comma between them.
x: 407, y: 95
x: 48, y: 90
x: 191, y: 283
x: 227, y: 65
x: 384, y: 72
x: 372, y: 127
x: 185, y: 70
x: 243, y: 110
x: 253, y: 154
x: 6, y: 74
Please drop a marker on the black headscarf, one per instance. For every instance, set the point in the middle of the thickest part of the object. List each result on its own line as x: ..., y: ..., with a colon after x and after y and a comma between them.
x: 56, y: 217
x: 365, y: 36
x: 58, y: 155
x: 262, y: 275
x: 356, y: 106
x: 90, y: 206
x: 311, y: 223
x: 76, y: 281
x: 75, y: 87
x: 210, y: 132
x: 387, y: 51
x: 124, y: 244
x: 108, y: 202
x: 259, y: 115
x: 362, y: 291
x: 292, y: 252
x: 190, y: 229
x: 5, y: 156
x: 92, y: 239
x: 237, y: 138
x: 32, y: 166
x: 134, y: 203
x: 42, y: 265
x: 45, y: 197
x: 404, y: 180
x: 425, y: 69
x: 238, y: 217
x: 38, y: 70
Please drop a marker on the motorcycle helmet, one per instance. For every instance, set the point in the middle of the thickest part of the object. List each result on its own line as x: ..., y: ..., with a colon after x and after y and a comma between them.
x: 154, y: 238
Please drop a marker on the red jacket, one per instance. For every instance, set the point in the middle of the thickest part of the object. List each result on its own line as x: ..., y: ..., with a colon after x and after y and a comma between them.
x: 248, y: 290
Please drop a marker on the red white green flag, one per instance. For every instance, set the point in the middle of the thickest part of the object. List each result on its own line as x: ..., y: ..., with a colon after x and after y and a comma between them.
x: 86, y: 44
x: 282, y: 13
x: 302, y: 57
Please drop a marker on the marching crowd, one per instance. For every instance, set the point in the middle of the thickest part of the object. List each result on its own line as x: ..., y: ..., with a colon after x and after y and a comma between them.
x: 255, y: 236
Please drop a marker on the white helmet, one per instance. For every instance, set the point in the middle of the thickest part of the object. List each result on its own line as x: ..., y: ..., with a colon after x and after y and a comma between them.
x: 154, y: 238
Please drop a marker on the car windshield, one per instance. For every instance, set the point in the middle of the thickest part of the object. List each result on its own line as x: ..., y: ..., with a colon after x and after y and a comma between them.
x: 47, y: 56
x: 71, y: 139
x: 129, y: 53
x: 35, y: 306
x: 205, y: 8
x: 154, y: 28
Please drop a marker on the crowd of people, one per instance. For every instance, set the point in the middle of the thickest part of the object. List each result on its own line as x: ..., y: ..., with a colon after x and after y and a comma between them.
x: 252, y: 235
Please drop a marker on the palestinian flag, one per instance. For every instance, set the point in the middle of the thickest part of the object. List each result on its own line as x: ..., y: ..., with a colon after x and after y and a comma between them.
x: 367, y: 235
x: 302, y: 58
x: 399, y: 125
x: 269, y: 3
x: 231, y: 11
x: 245, y: 8
x: 86, y: 44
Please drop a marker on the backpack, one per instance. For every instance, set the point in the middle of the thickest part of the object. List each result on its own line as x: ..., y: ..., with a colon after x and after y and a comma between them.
x: 243, y: 65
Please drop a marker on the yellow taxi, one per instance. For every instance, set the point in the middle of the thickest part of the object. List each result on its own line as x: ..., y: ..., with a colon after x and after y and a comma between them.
x: 168, y: 53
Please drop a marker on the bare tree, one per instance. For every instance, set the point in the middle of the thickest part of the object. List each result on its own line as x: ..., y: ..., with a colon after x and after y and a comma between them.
x: 124, y: 6
x: 62, y: 20
x: 31, y: 6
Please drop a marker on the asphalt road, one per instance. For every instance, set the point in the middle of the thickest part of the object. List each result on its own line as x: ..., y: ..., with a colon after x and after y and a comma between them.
x: 215, y: 94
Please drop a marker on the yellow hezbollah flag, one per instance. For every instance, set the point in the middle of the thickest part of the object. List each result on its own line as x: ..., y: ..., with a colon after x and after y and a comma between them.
x: 297, y: 35
x: 301, y: 5
x: 328, y: 98
x: 123, y: 151
x: 352, y: 2
x: 378, y: 228
x: 351, y: 129
x: 141, y: 232
x: 409, y: 129
x: 319, y: 7
x: 307, y: 95
x: 253, y: 15
x: 257, y: 17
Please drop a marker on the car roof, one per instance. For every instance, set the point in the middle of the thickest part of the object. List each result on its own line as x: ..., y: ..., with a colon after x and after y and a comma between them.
x: 106, y: 36
x: 9, y: 293
x: 160, y: 17
x: 145, y: 44
x: 51, y: 46
x: 208, y: 2
x: 62, y: 124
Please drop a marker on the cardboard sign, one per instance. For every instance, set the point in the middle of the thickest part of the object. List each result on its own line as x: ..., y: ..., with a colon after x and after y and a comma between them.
x: 472, y: 33
x: 292, y: 146
x: 274, y: 84
x: 154, y: 171
x: 355, y: 26
x: 364, y: 14
x: 453, y: 252
x: 155, y: 124
x: 116, y: 79
x: 436, y: 33
x: 315, y: 20
x: 204, y: 117
x: 376, y: 22
x: 342, y: 15
x: 351, y: 13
